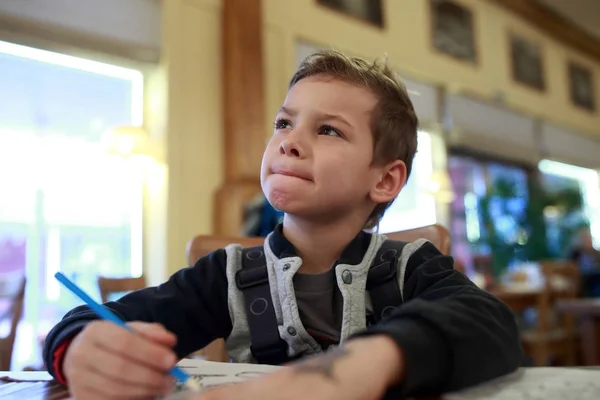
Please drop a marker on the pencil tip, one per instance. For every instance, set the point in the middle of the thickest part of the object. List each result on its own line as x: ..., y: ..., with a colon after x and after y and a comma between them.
x: 193, y: 384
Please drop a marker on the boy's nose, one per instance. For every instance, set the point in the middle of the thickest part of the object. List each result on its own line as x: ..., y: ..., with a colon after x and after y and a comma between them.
x: 291, y: 148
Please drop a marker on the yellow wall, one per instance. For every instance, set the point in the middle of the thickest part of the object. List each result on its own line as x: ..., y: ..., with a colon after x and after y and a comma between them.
x: 184, y: 104
x: 407, y: 42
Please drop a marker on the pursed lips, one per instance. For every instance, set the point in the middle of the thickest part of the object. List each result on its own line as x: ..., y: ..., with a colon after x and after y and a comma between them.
x: 292, y: 173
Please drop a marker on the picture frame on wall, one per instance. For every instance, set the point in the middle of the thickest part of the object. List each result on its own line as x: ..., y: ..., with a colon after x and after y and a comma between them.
x: 526, y: 60
x: 369, y: 11
x: 581, y: 86
x: 453, y: 30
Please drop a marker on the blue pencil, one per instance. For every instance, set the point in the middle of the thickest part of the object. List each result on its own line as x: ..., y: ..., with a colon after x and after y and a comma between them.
x: 106, y: 314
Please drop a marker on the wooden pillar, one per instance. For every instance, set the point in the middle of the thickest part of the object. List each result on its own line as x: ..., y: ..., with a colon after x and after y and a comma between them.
x: 243, y: 111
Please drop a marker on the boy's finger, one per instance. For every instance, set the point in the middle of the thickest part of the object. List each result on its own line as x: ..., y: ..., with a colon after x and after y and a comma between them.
x: 85, y: 394
x: 154, y: 332
x: 126, y: 371
x: 134, y: 346
x: 108, y: 388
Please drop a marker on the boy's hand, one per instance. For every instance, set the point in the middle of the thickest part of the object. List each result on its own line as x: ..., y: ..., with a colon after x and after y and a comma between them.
x: 105, y: 361
x: 361, y: 370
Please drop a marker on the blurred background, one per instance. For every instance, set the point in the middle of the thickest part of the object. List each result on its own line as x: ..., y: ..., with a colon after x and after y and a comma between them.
x: 127, y: 127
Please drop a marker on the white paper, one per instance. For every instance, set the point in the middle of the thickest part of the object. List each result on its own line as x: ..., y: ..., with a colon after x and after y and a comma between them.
x: 208, y: 374
x: 538, y: 383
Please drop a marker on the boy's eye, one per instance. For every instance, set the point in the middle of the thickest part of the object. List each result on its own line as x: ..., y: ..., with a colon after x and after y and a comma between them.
x: 282, y: 124
x: 329, y: 130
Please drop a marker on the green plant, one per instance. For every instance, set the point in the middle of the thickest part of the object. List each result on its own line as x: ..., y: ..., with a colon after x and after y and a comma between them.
x: 528, y: 241
x: 502, y: 247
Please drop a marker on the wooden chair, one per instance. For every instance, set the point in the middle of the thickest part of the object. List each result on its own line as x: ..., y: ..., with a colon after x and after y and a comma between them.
x: 108, y: 286
x: 12, y: 294
x: 554, y: 336
x: 436, y: 234
x: 202, y: 245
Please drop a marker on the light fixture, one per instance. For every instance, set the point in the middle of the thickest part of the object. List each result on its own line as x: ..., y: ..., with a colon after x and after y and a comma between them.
x: 127, y: 141
x: 439, y: 186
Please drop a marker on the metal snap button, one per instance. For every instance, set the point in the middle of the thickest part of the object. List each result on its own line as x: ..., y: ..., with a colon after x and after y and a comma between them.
x: 347, y: 277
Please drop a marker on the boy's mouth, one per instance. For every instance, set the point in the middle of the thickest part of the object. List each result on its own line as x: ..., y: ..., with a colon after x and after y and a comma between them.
x: 292, y: 172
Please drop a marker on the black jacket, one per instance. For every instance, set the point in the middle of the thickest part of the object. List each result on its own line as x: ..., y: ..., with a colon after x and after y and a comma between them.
x: 452, y: 333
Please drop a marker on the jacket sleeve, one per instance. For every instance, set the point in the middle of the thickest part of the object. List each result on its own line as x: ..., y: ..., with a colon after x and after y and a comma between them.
x: 192, y: 304
x: 452, y: 334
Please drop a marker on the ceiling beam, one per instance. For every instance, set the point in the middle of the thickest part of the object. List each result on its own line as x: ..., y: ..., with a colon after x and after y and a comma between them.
x: 554, y: 25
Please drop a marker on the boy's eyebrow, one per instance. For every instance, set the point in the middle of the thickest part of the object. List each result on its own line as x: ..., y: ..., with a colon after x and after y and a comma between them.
x: 292, y: 113
x: 287, y: 111
x: 337, y: 118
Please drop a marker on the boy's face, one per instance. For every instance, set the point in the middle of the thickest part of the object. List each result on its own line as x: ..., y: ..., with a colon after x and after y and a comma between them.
x: 318, y: 162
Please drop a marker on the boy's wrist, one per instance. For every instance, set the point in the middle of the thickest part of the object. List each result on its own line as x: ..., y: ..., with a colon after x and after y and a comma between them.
x: 58, y: 358
x: 383, y: 351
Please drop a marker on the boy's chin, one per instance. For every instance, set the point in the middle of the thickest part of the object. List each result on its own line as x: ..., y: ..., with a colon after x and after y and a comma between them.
x: 291, y: 206
x: 284, y: 200
x: 303, y: 213
x: 288, y: 207
x: 298, y: 206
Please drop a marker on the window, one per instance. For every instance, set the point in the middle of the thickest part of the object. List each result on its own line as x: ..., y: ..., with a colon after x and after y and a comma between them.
x: 573, y: 202
x: 510, y: 214
x: 66, y: 205
x: 414, y: 207
x: 489, y: 212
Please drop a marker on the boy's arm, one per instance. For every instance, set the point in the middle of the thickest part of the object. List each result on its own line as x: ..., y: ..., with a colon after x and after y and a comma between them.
x: 451, y: 334
x: 192, y: 304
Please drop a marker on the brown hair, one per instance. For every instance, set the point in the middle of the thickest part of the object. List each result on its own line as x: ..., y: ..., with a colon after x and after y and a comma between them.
x: 394, y: 123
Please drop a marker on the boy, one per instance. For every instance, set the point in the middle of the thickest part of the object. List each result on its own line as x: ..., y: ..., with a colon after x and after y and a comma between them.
x: 342, y: 149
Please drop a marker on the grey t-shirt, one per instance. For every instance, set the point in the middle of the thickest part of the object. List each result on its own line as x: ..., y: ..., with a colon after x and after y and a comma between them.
x: 320, y: 305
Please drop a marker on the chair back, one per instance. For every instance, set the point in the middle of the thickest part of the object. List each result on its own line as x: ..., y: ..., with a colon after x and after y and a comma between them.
x: 436, y: 234
x: 563, y: 278
x: 12, y: 294
x: 202, y: 245
x: 108, y: 286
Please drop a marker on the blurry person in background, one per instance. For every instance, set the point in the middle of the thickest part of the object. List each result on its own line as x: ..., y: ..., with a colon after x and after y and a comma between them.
x: 588, y: 260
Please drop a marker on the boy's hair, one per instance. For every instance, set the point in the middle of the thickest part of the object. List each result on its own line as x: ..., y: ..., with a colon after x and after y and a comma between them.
x: 394, y: 122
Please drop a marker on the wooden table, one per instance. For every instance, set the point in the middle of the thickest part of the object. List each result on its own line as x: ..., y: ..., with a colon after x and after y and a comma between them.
x: 40, y: 386
x: 31, y: 386
x: 517, y: 300
x: 588, y: 313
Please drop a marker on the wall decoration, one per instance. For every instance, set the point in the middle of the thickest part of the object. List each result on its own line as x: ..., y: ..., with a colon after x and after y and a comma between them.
x: 370, y: 11
x: 526, y: 62
x: 581, y: 86
x: 453, y: 30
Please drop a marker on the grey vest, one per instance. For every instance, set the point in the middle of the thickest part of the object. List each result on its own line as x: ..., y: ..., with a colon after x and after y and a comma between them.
x: 281, y: 272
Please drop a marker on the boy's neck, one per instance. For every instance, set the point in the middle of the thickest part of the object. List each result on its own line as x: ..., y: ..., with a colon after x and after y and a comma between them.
x: 319, y: 245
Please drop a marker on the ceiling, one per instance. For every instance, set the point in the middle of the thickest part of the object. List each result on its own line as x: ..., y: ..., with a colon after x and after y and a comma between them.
x: 585, y: 14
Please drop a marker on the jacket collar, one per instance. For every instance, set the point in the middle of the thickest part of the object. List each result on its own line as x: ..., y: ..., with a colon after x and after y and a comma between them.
x: 352, y: 254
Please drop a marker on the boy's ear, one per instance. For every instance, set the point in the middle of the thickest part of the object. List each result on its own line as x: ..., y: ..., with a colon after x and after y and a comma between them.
x: 391, y: 180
